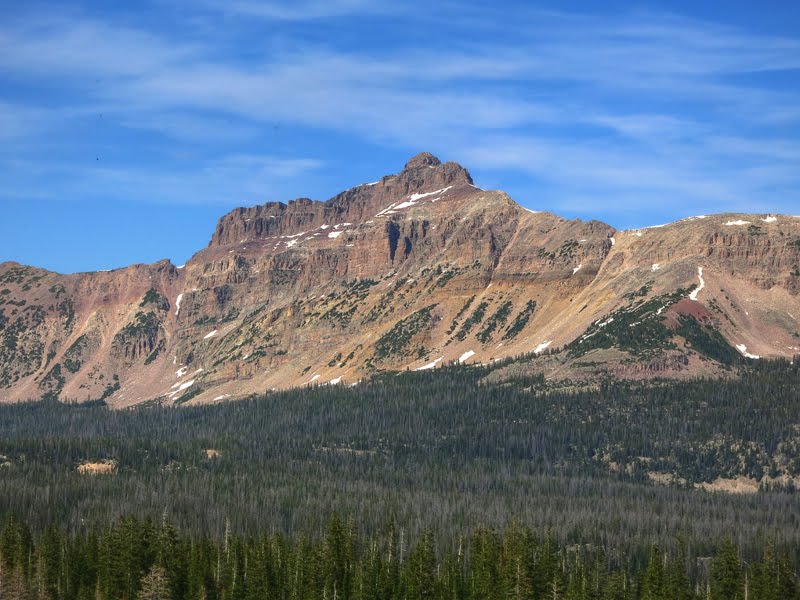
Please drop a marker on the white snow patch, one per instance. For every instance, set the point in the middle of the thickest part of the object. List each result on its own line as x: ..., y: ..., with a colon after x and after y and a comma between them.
x: 335, y: 234
x: 181, y: 372
x: 413, y: 199
x: 314, y: 378
x: 613, y: 241
x: 743, y: 349
x: 578, y: 268
x: 373, y: 183
x: 533, y: 212
x: 324, y: 226
x: 183, y: 386
x: 218, y: 398
x: 466, y: 356
x: 178, y: 304
x: 656, y: 226
x: 336, y: 381
x: 791, y: 315
x: 430, y: 365
x: 180, y: 266
x: 291, y: 243
x: 693, y: 295
x: 770, y: 219
x: 637, y: 233
x: 655, y: 267
x: 386, y: 210
x: 739, y: 222
x: 210, y: 334
x: 541, y: 347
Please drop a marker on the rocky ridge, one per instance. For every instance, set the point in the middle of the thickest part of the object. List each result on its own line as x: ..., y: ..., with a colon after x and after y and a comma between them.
x: 416, y: 270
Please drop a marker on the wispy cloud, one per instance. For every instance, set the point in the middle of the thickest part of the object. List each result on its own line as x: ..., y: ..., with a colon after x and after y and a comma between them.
x: 627, y: 109
x: 305, y: 10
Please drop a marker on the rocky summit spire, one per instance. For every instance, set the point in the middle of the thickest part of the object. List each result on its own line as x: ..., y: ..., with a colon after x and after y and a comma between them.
x: 425, y: 169
x: 423, y: 159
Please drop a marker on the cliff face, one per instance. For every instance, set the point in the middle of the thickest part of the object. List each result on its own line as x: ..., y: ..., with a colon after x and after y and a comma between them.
x: 414, y: 270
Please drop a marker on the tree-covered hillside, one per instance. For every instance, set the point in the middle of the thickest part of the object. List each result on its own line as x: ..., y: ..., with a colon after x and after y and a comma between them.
x: 617, y: 466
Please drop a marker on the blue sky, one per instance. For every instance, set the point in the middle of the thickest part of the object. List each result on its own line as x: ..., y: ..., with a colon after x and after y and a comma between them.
x: 125, y: 133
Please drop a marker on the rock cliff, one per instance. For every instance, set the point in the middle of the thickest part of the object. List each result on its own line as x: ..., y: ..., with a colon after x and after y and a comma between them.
x: 415, y: 270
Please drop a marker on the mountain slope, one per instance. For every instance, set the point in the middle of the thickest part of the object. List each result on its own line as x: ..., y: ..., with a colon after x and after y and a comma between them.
x: 414, y: 270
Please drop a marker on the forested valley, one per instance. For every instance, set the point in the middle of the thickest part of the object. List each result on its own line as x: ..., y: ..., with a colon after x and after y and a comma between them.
x: 421, y: 484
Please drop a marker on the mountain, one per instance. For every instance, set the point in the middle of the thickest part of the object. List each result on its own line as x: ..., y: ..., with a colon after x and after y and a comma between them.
x: 412, y: 271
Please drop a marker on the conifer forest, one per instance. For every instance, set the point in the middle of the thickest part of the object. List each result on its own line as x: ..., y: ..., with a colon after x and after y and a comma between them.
x: 433, y: 484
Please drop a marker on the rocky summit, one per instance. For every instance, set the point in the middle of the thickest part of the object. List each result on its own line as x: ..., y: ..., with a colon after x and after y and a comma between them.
x: 414, y: 271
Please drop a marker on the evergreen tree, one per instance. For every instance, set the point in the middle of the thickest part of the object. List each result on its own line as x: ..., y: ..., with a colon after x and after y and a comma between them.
x: 155, y: 585
x: 727, y: 582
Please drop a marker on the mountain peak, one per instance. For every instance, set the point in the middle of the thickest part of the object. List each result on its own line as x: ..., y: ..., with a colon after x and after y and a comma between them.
x: 423, y: 159
x: 425, y: 169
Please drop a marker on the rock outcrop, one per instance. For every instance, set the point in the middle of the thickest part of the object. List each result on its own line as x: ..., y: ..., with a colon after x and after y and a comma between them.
x: 415, y: 270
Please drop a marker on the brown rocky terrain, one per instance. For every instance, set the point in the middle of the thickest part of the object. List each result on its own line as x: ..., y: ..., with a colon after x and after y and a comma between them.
x: 413, y: 271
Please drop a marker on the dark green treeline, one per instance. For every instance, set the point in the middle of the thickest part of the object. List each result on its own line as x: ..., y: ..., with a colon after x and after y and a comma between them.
x: 444, y: 450
x: 136, y: 559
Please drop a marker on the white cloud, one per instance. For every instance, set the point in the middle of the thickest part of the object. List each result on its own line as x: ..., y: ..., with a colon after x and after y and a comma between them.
x: 552, y: 101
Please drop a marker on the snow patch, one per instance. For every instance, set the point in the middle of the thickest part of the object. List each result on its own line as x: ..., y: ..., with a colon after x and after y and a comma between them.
x: 770, y: 219
x: 183, y: 386
x: 613, y: 241
x: 743, y: 349
x: 430, y: 365
x: 655, y: 267
x: 693, y: 295
x: 533, y: 212
x: 412, y: 200
x: 541, y: 347
x: 739, y: 222
x: 578, y: 268
x: 335, y: 234
x: 218, y: 398
x: 181, y: 372
x: 466, y: 356
x: 336, y: 381
x: 178, y: 304
x: 314, y: 378
x: 180, y: 266
x: 210, y: 334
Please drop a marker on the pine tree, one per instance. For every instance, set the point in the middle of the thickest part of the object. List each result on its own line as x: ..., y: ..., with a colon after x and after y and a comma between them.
x: 155, y: 585
x: 726, y: 574
x: 420, y: 569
